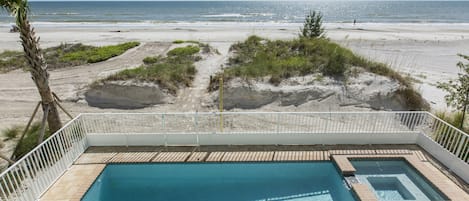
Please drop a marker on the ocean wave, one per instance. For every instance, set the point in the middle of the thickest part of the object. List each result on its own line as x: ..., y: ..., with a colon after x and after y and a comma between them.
x: 261, y: 14
x: 66, y: 13
x: 169, y: 24
x: 226, y: 15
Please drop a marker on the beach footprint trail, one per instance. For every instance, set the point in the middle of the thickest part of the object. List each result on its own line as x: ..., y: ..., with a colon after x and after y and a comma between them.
x: 196, y: 97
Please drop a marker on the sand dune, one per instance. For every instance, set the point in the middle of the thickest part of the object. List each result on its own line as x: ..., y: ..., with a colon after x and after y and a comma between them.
x: 426, y: 51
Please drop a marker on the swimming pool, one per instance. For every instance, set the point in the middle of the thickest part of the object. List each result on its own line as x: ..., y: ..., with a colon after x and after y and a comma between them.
x: 296, y: 181
x: 395, y: 180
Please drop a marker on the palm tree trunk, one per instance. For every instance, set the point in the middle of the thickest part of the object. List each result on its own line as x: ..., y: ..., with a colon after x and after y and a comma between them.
x: 38, y: 69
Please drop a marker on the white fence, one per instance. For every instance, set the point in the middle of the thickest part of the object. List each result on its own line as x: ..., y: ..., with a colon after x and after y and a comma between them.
x: 447, y: 144
x: 252, y: 128
x: 33, y: 174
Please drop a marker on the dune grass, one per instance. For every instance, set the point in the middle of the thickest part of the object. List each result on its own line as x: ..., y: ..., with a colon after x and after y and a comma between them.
x: 183, y: 52
x: 11, y: 60
x: 453, y: 118
x: 30, y: 139
x: 64, y: 55
x: 281, y: 59
x: 11, y: 133
x: 171, y: 72
x: 186, y: 41
x: 258, y: 57
x: 97, y: 54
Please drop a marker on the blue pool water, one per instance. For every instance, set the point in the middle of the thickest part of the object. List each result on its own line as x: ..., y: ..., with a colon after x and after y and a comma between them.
x: 312, y: 181
x: 395, y: 180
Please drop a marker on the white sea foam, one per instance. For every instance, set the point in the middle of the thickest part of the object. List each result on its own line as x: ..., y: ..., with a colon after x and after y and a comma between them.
x: 225, y: 15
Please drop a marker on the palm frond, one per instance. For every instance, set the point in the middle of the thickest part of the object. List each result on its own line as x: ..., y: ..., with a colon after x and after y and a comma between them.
x: 13, y: 6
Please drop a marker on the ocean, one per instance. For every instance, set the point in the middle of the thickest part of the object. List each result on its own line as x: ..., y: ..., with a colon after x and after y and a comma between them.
x: 247, y: 11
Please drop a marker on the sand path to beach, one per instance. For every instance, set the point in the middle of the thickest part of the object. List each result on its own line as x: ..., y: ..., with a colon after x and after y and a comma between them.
x: 193, y: 98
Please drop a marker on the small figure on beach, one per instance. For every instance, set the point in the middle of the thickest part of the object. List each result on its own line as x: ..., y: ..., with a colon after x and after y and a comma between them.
x: 14, y: 29
x: 354, y: 22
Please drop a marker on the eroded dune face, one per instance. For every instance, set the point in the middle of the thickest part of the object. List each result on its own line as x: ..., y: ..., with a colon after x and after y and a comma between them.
x: 365, y: 90
x: 122, y: 95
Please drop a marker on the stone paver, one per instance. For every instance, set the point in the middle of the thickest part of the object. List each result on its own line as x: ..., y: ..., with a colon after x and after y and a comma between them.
x: 363, y: 192
x: 420, y: 155
x: 344, y: 165
x: 74, y: 183
x: 94, y: 158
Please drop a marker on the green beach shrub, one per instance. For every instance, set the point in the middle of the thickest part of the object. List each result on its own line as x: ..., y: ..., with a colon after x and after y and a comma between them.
x: 151, y: 60
x: 312, y: 26
x: 11, y: 60
x: 178, y: 41
x: 184, y: 51
x: 453, y: 118
x: 98, y: 54
x: 12, y: 133
x: 30, y: 139
x: 458, y: 90
x: 169, y: 72
x: 64, y: 55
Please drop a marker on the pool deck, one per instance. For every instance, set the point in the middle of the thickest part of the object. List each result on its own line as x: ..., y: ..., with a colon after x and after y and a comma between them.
x: 74, y: 183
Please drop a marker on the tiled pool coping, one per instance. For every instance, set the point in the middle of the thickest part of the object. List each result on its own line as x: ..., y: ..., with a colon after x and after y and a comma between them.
x: 75, y: 182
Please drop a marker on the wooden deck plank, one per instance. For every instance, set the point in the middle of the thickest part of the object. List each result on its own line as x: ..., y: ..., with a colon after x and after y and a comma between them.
x: 197, y: 157
x: 166, y: 157
x: 132, y: 157
x: 214, y: 156
x: 228, y: 156
x: 392, y: 151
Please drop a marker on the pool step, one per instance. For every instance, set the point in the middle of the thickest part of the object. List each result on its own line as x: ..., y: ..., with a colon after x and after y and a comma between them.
x: 363, y: 192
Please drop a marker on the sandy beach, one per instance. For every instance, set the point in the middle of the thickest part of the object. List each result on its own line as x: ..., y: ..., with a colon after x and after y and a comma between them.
x: 427, y: 52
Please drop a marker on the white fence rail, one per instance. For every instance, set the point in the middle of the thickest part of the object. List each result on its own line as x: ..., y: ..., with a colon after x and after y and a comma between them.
x: 33, y: 174
x: 447, y: 136
x: 254, y: 123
